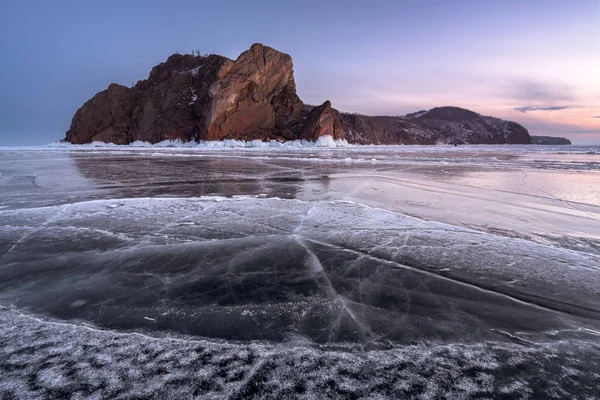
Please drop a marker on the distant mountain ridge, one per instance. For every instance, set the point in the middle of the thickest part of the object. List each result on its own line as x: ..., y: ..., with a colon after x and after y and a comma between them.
x: 193, y: 97
x: 550, y: 140
x: 440, y: 125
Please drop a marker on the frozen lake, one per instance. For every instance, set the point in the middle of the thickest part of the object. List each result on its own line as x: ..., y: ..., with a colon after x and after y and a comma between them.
x: 358, y: 271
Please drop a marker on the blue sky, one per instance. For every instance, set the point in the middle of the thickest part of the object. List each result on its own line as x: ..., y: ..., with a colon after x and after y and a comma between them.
x: 536, y: 62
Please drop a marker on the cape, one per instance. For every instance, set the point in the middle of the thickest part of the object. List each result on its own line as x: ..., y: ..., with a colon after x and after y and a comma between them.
x: 192, y: 97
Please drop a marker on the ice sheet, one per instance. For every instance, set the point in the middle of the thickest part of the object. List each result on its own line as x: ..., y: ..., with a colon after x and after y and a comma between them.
x: 497, y: 189
x: 268, y: 268
x: 42, y: 359
x: 390, y: 271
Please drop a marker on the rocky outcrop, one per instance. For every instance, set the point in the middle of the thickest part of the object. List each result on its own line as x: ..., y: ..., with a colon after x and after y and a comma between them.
x: 192, y: 97
x: 255, y: 94
x: 550, y: 140
x: 174, y: 102
x: 321, y: 121
x: 197, y: 98
x: 441, y: 125
x: 106, y: 117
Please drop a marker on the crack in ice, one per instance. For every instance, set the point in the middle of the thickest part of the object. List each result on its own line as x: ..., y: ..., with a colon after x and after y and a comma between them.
x: 449, y: 279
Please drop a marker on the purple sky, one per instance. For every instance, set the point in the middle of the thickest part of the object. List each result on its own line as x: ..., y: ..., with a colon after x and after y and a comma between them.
x: 536, y: 62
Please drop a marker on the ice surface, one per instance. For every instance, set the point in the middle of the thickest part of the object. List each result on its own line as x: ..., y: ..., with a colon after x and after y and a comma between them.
x: 41, y: 359
x: 268, y: 268
x: 391, y: 271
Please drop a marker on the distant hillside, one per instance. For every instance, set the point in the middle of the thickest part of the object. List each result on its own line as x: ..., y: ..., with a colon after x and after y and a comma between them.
x: 440, y: 125
x: 549, y: 140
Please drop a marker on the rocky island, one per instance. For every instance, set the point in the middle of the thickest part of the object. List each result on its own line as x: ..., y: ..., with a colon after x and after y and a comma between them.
x: 192, y: 98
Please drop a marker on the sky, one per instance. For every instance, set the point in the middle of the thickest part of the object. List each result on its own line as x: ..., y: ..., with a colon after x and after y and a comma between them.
x: 536, y: 62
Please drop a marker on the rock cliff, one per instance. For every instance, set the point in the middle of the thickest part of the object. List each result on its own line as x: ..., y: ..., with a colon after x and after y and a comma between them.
x: 192, y: 97
x: 197, y: 98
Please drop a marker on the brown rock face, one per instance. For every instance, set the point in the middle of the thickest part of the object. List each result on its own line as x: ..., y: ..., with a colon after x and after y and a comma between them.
x: 321, y: 121
x: 105, y: 117
x: 173, y: 102
x: 192, y: 98
x: 255, y: 93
